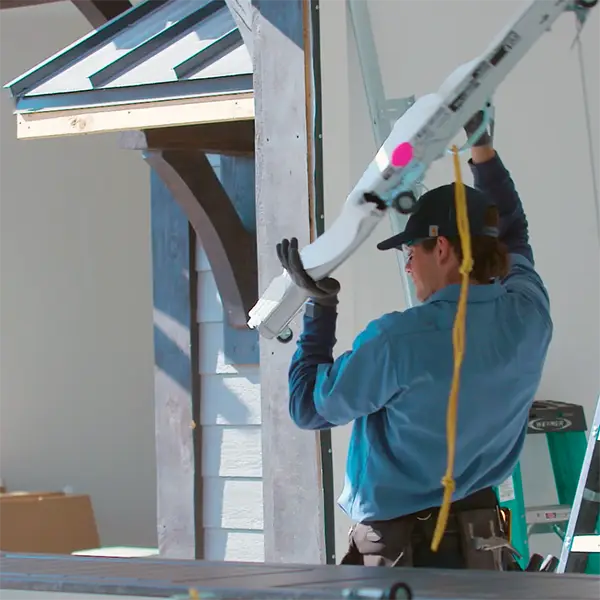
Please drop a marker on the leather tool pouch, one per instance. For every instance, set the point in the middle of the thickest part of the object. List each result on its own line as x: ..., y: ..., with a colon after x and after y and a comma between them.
x: 476, y: 526
x: 388, y: 545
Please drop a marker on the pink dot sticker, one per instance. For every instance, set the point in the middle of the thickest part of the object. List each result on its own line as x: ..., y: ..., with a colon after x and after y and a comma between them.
x: 402, y: 154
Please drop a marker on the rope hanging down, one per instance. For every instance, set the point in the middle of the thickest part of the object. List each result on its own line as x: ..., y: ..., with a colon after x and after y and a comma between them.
x: 458, y: 342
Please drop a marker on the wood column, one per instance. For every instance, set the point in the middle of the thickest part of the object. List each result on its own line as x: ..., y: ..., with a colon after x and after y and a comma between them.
x: 293, y: 489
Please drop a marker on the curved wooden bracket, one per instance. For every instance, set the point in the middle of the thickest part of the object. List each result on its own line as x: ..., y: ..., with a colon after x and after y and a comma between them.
x: 230, y: 248
x: 229, y: 138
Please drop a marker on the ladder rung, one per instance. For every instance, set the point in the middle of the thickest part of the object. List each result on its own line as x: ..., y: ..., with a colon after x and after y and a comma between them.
x: 586, y: 543
x: 557, y: 513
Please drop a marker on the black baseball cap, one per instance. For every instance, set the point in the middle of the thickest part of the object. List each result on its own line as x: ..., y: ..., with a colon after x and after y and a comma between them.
x: 435, y: 216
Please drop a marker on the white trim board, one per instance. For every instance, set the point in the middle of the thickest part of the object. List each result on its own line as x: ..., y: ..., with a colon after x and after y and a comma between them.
x: 126, y: 117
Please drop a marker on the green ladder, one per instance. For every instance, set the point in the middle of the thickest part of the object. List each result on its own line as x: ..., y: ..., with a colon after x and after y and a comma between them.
x: 564, y: 426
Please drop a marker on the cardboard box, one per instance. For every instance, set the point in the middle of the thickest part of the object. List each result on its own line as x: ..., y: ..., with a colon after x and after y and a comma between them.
x: 47, y: 523
x: 20, y: 496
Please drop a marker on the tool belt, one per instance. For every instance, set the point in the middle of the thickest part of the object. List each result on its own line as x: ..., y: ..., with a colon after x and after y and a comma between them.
x: 477, y: 537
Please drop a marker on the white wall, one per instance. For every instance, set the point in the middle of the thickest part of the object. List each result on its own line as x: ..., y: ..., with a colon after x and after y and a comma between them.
x: 542, y: 136
x: 76, y: 363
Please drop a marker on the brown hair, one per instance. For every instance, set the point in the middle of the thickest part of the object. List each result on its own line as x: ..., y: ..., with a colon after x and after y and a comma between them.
x: 490, y: 256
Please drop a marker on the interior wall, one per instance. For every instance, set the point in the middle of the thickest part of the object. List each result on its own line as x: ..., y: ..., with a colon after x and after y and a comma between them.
x: 542, y: 135
x: 76, y: 368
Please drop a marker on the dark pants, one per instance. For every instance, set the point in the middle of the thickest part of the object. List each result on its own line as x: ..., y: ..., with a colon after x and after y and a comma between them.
x: 406, y: 541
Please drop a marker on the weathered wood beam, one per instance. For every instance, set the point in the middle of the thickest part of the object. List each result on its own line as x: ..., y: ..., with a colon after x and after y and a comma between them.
x: 176, y: 389
x: 294, y: 529
x: 137, y: 116
x: 241, y: 10
x: 98, y: 12
x: 231, y: 138
x: 229, y: 246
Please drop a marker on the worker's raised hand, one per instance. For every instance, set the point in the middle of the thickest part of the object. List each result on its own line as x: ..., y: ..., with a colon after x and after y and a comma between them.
x: 473, y: 125
x: 324, y: 291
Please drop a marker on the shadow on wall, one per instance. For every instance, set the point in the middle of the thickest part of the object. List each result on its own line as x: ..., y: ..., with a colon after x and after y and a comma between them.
x: 171, y: 255
x: 171, y: 262
x: 170, y: 249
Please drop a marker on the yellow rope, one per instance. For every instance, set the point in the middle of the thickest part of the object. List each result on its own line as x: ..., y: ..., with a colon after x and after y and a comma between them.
x: 458, y: 342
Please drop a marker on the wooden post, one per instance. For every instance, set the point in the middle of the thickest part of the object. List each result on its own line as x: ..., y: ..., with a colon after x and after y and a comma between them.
x: 293, y: 491
x: 188, y: 200
x: 179, y: 502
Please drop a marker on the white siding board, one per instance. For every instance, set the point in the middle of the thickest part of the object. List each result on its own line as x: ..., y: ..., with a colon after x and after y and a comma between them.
x: 231, y: 399
x: 210, y: 307
x: 231, y: 503
x: 231, y: 451
x: 211, y: 356
x: 244, y: 546
x: 202, y: 263
x: 231, y: 435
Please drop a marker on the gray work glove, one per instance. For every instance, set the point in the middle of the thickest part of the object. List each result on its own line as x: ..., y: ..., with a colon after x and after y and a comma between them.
x: 473, y: 125
x: 323, y: 292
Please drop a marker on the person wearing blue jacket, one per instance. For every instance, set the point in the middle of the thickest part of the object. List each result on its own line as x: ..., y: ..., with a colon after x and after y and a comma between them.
x: 394, y: 383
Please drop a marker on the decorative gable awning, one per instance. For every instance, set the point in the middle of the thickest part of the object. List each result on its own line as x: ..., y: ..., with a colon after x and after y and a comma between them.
x: 163, y: 63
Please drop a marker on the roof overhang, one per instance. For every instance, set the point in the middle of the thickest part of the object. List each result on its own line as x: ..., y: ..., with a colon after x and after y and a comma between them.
x: 163, y: 63
x: 127, y: 117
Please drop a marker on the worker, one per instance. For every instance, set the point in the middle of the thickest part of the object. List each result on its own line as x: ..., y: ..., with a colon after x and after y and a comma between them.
x: 394, y: 383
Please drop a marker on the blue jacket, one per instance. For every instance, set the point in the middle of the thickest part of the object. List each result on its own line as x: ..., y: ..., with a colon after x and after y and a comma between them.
x: 394, y: 383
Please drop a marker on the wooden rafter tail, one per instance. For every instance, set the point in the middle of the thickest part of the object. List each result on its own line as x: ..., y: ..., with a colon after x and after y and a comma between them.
x: 233, y: 138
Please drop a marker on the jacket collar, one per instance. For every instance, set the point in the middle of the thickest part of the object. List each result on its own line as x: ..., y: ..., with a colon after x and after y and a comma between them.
x: 477, y: 293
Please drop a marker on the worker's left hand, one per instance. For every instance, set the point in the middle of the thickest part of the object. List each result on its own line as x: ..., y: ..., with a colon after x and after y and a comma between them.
x: 324, y: 291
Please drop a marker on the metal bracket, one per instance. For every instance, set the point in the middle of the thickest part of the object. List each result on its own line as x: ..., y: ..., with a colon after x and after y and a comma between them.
x: 383, y: 112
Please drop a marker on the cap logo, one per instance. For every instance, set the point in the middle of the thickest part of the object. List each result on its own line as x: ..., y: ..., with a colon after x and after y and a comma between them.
x: 433, y: 230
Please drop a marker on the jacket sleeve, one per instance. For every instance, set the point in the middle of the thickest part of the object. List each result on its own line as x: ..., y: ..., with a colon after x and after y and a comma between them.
x: 493, y: 179
x: 325, y: 393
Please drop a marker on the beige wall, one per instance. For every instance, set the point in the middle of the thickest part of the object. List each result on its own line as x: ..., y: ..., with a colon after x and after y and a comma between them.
x: 76, y: 304
x: 542, y: 136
